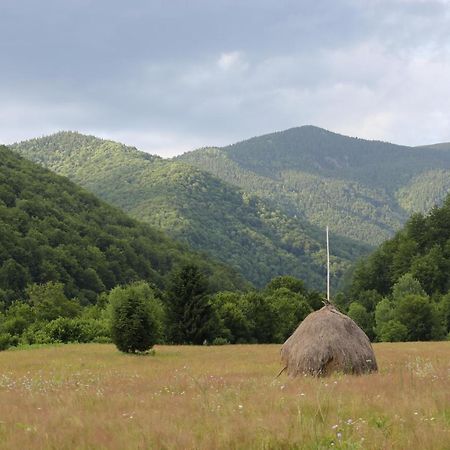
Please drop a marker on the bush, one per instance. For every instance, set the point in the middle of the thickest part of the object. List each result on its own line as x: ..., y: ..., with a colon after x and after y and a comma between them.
x: 136, y: 318
x: 393, y: 331
x: 220, y: 341
x: 36, y: 334
x: 49, y: 301
x: 6, y: 341
x: 67, y: 330
x: 64, y: 330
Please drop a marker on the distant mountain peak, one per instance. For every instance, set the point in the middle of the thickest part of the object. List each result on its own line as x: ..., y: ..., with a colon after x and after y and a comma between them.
x: 72, y: 142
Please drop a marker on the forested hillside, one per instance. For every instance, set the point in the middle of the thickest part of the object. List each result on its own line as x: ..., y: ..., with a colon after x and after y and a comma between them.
x: 258, y: 240
x: 421, y: 248
x: 364, y: 189
x: 402, y: 290
x: 52, y: 230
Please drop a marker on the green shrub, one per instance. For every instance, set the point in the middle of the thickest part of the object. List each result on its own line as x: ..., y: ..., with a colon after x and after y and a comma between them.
x: 136, y: 318
x: 220, y: 341
x: 7, y: 340
x: 64, y: 330
x: 393, y: 331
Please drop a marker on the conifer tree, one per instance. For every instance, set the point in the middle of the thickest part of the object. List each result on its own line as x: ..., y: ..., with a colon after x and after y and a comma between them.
x: 192, y: 319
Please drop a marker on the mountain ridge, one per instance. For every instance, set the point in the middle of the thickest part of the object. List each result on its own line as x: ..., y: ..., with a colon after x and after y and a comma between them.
x: 357, y: 184
x: 193, y: 205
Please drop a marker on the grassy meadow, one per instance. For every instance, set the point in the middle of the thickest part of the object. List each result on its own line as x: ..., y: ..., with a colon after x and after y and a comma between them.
x: 92, y: 397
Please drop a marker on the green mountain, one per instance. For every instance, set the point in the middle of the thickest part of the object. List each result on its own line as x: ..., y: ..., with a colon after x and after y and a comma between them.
x: 242, y: 230
x: 363, y: 189
x: 52, y: 230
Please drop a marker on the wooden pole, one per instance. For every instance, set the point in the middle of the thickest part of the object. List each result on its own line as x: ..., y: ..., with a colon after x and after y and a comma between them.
x: 328, y: 268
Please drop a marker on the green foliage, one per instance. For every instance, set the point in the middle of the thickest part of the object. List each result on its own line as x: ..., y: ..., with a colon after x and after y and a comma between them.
x: 366, y: 189
x: 136, y: 318
x: 424, y: 191
x: 6, y: 341
x: 410, y: 268
x: 406, y: 285
x: 410, y: 316
x: 364, y: 319
x: 289, y: 309
x: 393, y: 331
x: 416, y: 260
x: 444, y: 310
x: 383, y: 314
x: 49, y: 302
x: 291, y: 283
x: 191, y: 315
x: 53, y: 231
x: 431, y: 270
x: 270, y: 315
x: 263, y: 316
x: 416, y: 314
x: 256, y: 237
x: 369, y: 299
x: 233, y: 312
x: 67, y: 330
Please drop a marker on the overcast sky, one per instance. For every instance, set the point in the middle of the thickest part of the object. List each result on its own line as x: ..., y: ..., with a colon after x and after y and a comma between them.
x: 168, y: 76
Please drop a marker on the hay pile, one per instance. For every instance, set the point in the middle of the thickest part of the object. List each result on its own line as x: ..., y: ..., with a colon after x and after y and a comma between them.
x: 325, y: 342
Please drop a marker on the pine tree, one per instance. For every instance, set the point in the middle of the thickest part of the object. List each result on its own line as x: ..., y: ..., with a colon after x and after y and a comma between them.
x: 192, y: 319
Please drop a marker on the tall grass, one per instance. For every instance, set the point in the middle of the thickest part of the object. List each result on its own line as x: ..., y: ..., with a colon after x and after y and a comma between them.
x: 92, y: 397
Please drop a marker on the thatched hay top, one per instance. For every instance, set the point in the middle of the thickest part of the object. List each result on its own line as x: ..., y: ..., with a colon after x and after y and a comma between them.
x: 328, y: 341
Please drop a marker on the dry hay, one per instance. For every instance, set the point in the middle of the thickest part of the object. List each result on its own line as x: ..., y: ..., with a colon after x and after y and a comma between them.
x: 328, y: 341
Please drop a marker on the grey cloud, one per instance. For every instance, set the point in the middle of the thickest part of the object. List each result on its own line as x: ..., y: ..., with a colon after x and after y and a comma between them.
x: 169, y: 76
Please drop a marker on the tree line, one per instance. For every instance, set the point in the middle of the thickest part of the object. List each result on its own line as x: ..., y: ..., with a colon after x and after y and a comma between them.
x: 140, y: 313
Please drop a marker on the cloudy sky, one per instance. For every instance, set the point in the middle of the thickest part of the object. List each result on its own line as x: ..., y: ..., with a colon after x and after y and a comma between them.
x: 169, y: 75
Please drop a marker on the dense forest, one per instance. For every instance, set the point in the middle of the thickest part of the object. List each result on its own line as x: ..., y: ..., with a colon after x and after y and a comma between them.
x: 243, y: 231
x: 365, y: 190
x: 66, y: 258
x: 52, y: 230
x: 403, y: 289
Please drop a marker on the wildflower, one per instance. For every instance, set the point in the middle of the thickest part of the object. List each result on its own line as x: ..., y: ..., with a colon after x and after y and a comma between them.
x: 240, y: 406
x: 339, y: 436
x: 334, y: 427
x: 349, y: 421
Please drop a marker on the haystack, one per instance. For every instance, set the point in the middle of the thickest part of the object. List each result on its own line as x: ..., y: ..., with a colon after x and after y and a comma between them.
x: 328, y: 341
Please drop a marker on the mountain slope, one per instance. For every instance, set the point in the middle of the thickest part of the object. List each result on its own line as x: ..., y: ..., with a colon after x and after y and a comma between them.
x: 52, y: 230
x: 364, y: 189
x: 242, y: 230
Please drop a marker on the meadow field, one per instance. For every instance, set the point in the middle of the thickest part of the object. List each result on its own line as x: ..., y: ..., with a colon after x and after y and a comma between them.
x: 93, y: 397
